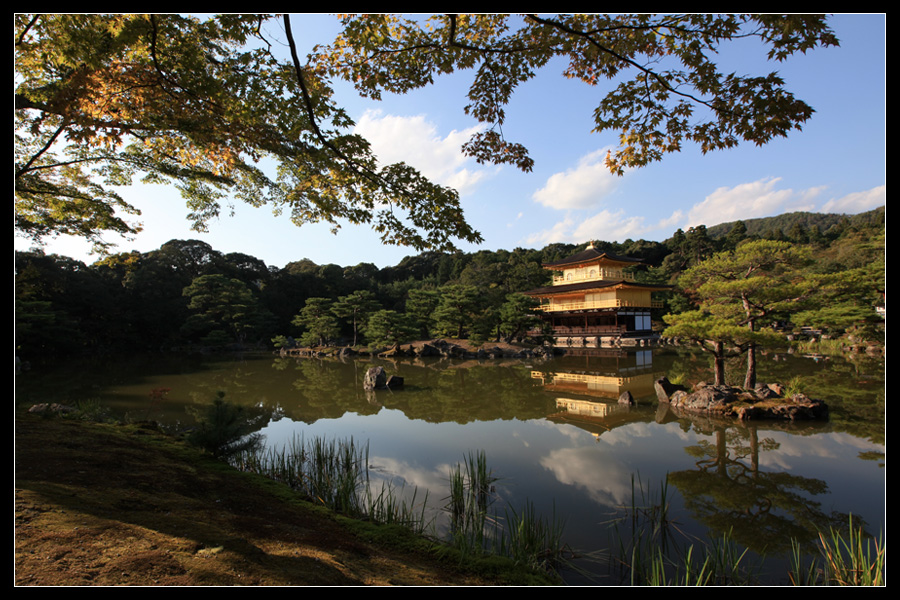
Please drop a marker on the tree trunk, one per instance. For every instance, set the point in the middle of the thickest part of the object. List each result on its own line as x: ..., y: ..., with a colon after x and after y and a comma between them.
x: 750, y: 379
x: 720, y: 363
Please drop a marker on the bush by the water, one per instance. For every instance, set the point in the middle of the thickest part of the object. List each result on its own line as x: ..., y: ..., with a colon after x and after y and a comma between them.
x: 224, y: 429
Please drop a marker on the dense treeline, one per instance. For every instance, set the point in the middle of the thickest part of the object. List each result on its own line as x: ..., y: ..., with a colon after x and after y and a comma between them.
x: 802, y: 226
x: 187, y: 293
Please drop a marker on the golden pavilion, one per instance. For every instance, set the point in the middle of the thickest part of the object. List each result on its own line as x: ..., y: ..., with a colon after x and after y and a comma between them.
x: 593, y: 300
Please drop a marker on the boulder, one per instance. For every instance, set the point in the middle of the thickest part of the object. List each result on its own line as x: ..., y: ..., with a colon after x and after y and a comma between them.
x: 427, y: 350
x: 375, y: 379
x: 665, y: 388
x: 394, y: 382
x: 711, y: 398
x: 771, y: 390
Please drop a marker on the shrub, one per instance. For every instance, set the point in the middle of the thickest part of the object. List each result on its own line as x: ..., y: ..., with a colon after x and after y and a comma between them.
x: 225, y: 429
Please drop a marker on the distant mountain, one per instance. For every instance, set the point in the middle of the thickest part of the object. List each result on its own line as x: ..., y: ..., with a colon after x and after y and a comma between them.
x: 784, y: 223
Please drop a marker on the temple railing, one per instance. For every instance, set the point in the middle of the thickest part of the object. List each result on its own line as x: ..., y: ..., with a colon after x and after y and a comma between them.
x: 596, y: 304
x: 600, y: 275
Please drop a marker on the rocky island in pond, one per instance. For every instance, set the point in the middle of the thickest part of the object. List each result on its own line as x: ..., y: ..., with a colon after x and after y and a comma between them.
x: 765, y: 401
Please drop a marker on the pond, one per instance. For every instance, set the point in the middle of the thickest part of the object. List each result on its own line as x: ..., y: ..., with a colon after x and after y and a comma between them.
x: 554, y: 434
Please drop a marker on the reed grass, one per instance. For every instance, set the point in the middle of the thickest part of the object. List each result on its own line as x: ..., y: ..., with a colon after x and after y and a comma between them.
x: 718, y: 562
x: 647, y: 525
x: 848, y: 558
x: 471, y: 494
x: 475, y: 529
x: 391, y: 508
x: 533, y: 540
x: 833, y: 347
x: 336, y: 474
x: 653, y: 550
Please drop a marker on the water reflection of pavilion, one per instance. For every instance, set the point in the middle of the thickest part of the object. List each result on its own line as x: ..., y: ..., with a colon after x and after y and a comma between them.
x: 601, y: 373
x: 588, y: 383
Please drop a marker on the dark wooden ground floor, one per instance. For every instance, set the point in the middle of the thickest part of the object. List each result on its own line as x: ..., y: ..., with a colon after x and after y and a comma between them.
x: 598, y: 328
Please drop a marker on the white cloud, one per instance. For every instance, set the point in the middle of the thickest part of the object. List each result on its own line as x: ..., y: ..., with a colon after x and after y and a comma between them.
x: 416, y: 141
x: 750, y: 200
x: 605, y: 225
x: 611, y: 226
x: 584, y: 186
x: 560, y: 232
x: 857, y: 202
x: 672, y: 222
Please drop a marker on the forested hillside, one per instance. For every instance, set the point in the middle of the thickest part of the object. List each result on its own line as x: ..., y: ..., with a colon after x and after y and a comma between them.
x: 799, y: 226
x: 187, y: 294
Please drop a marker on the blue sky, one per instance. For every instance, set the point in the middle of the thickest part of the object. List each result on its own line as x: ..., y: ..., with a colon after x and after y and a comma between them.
x: 835, y: 164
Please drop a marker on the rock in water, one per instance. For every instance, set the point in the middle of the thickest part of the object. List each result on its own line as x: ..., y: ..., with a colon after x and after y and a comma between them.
x: 626, y: 398
x: 375, y: 379
x: 665, y: 388
x: 394, y: 382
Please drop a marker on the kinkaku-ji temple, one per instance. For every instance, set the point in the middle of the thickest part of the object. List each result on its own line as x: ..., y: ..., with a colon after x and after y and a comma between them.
x: 594, y: 301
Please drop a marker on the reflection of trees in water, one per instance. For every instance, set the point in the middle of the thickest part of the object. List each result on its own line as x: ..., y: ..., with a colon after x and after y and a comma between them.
x: 468, y: 393
x: 435, y: 391
x: 764, y: 510
x: 191, y: 386
x: 855, y: 392
x: 327, y: 389
x: 852, y: 385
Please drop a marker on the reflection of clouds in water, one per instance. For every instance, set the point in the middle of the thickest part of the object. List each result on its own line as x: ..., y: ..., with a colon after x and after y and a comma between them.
x: 632, y: 433
x: 571, y: 433
x: 603, y: 471
x: 399, y: 472
x: 606, y: 480
x: 517, y: 435
x: 821, y: 446
x: 279, y: 433
x: 568, y: 431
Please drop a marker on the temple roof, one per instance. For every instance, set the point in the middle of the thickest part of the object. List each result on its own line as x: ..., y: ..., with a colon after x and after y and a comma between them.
x: 594, y: 285
x: 591, y: 255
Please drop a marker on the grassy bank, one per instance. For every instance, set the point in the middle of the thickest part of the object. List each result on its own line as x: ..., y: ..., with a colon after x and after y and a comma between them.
x: 104, y: 504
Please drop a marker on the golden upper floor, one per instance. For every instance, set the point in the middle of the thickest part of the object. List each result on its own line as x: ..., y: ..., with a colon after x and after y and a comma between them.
x: 592, y: 273
x: 591, y: 265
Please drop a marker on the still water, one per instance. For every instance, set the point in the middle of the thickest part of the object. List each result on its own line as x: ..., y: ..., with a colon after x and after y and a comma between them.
x: 554, y: 434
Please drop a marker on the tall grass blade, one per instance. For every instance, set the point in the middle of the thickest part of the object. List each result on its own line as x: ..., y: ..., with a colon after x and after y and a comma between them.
x: 852, y: 561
